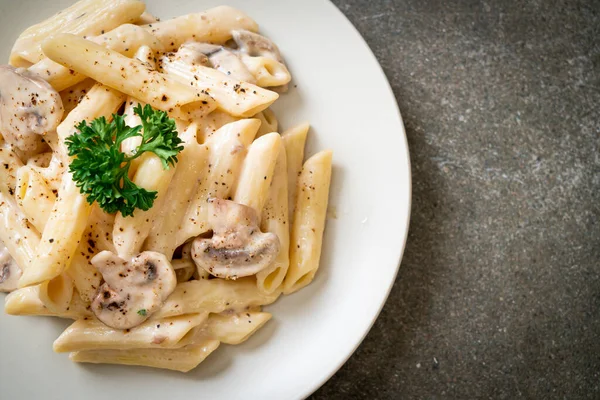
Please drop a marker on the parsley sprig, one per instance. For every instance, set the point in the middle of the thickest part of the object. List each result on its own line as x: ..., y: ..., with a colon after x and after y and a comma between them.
x: 100, y: 169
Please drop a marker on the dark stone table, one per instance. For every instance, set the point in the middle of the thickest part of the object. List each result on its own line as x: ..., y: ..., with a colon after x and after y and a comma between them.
x: 498, y: 295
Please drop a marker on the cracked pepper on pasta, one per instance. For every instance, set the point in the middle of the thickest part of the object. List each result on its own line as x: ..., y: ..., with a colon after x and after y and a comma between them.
x: 145, y: 191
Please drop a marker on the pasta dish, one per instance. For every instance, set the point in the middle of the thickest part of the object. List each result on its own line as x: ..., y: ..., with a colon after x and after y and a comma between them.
x: 145, y: 191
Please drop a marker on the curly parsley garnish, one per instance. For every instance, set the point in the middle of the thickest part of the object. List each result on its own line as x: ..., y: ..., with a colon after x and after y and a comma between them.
x: 100, y: 169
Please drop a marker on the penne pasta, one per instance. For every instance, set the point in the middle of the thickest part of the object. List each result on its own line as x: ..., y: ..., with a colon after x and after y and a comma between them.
x: 268, y: 122
x: 146, y: 18
x: 309, y: 221
x: 294, y: 141
x: 235, y: 328
x: 96, y: 237
x: 227, y: 149
x: 20, y: 238
x: 130, y: 76
x: 9, y: 165
x: 256, y: 175
x: 267, y: 71
x: 61, y: 235
x: 34, y: 197
x: 275, y: 219
x: 183, y: 359
x: 185, y: 257
x: 56, y: 293
x: 67, y: 221
x: 214, y: 296
x: 91, y: 334
x: 26, y: 301
x: 125, y: 39
x: 71, y: 96
x: 87, y: 17
x: 130, y: 232
x: 240, y: 99
x: 189, y: 174
x: 214, y: 26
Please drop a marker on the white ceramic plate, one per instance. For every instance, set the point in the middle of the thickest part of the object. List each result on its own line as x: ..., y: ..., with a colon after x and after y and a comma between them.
x: 343, y: 92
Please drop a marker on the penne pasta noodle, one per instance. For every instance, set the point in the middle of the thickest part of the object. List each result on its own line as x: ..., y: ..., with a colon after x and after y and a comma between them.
x: 26, y: 301
x: 130, y: 76
x: 268, y: 122
x: 240, y: 99
x: 309, y: 221
x: 149, y: 298
x: 146, y: 18
x: 91, y: 334
x: 126, y: 40
x: 87, y: 17
x: 214, y: 296
x: 20, y: 238
x: 256, y: 175
x: 34, y: 197
x: 67, y: 221
x: 190, y: 167
x: 96, y: 237
x: 213, y: 26
x: 100, y: 101
x: 56, y: 294
x: 227, y: 149
x: 9, y: 165
x: 275, y: 219
x: 235, y: 328
x: 208, y: 125
x: 130, y: 232
x: 294, y: 141
x: 183, y: 359
x: 184, y: 269
x: 71, y: 96
x: 61, y: 235
x: 267, y: 71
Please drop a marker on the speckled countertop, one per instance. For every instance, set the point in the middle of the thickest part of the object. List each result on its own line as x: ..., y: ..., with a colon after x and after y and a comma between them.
x: 498, y: 295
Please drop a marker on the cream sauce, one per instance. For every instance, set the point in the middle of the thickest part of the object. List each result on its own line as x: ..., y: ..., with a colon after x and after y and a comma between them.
x: 217, y: 57
x: 9, y: 271
x: 29, y: 107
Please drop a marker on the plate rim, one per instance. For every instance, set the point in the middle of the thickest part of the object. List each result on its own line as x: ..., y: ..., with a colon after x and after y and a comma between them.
x: 323, y: 380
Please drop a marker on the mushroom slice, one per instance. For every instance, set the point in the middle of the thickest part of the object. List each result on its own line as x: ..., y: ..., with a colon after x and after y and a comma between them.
x: 217, y: 57
x: 29, y: 107
x: 254, y: 44
x: 9, y: 271
x: 133, y: 289
x: 238, y: 248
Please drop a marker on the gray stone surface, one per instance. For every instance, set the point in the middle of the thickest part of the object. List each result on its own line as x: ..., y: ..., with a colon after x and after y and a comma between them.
x: 498, y: 295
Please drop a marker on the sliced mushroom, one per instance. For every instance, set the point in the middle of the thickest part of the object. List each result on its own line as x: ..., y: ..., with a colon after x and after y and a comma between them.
x: 29, y: 107
x: 254, y: 44
x: 238, y: 248
x: 217, y: 57
x: 133, y: 290
x: 9, y: 271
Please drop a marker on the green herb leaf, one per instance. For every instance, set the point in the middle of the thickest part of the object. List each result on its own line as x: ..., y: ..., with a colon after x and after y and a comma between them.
x: 142, y: 312
x: 100, y: 169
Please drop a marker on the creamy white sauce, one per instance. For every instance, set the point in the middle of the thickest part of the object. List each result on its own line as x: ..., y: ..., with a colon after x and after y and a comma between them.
x: 238, y: 248
x: 217, y: 57
x: 254, y: 44
x: 29, y: 107
x: 9, y: 271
